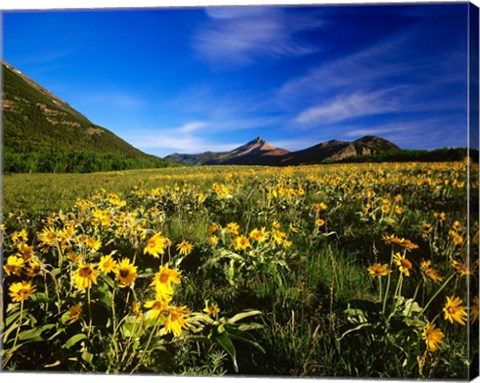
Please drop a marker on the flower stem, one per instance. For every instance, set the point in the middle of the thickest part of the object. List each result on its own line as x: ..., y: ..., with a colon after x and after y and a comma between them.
x: 144, y: 353
x: 89, y: 311
x: 436, y: 293
x: 387, y: 289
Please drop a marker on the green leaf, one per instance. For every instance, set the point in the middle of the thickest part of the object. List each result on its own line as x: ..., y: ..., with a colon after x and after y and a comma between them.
x: 411, y: 307
x: 250, y: 326
x: 87, y: 357
x: 74, y: 340
x: 245, y: 337
x: 8, y: 332
x: 359, y: 327
x: 32, y: 335
x: 224, y: 340
x: 11, y: 318
x: 13, y: 307
x: 243, y: 315
x: 40, y: 298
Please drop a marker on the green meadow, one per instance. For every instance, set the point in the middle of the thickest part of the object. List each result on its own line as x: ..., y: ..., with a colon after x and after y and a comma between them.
x: 356, y: 270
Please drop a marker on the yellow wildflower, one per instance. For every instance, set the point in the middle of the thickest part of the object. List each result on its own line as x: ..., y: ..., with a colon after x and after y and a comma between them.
x: 48, y: 236
x: 14, y: 265
x: 85, y: 275
x: 429, y: 271
x: 155, y: 246
x: 20, y: 291
x: 212, y: 309
x: 403, y: 264
x: 433, y: 337
x: 106, y: 264
x: 241, y: 243
x: 125, y: 272
x: 175, y: 320
x: 74, y: 313
x: 184, y: 248
x: 453, y: 311
x: 379, y: 270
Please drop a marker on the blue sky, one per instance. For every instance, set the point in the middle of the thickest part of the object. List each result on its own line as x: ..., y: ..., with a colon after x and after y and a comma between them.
x: 212, y: 78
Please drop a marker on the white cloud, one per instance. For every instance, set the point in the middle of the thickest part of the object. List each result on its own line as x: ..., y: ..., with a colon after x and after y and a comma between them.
x: 354, y: 105
x: 193, y: 126
x: 360, y: 70
x: 239, y: 35
x: 191, y: 137
x: 169, y: 140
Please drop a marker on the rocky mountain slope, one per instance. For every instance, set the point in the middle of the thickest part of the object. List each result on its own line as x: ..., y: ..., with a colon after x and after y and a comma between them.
x: 252, y: 153
x: 259, y: 152
x: 36, y: 121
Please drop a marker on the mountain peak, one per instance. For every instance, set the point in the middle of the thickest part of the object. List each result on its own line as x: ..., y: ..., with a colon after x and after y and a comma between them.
x: 258, y: 140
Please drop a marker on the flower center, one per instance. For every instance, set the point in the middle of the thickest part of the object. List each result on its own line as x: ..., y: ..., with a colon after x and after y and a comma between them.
x: 85, y: 272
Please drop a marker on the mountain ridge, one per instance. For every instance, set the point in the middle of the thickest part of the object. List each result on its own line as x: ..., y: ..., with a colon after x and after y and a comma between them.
x: 259, y: 152
x: 42, y: 132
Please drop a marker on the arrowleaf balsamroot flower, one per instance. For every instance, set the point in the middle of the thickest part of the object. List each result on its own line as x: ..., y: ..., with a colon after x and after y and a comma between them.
x: 162, y: 282
x: 259, y: 235
x: 74, y: 313
x: 48, y: 236
x: 233, y: 228
x: 429, y: 271
x: 14, y: 265
x: 155, y: 246
x: 85, y: 275
x: 125, y: 272
x: 157, y: 306
x: 107, y: 264
x: 403, y: 264
x: 26, y: 251
x: 34, y: 268
x: 378, y: 270
x: 20, y: 291
x: 433, y: 337
x: 184, y: 248
x: 212, y: 309
x: 175, y: 320
x: 241, y: 243
x: 136, y: 309
x: 453, y: 311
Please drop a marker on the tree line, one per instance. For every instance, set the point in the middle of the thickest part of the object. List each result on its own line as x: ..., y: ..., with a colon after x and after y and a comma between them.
x: 75, y: 162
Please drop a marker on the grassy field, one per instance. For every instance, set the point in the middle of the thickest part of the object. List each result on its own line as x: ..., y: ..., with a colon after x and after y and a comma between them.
x: 335, y: 270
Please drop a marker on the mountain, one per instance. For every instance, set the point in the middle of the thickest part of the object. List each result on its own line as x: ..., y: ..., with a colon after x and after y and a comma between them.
x: 259, y: 152
x: 36, y: 122
x: 252, y: 153
x: 333, y: 151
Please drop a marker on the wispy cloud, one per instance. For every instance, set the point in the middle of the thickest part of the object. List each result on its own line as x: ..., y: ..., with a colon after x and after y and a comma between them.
x: 367, y: 68
x: 379, y: 80
x: 356, y: 104
x: 191, y: 137
x: 240, y: 35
